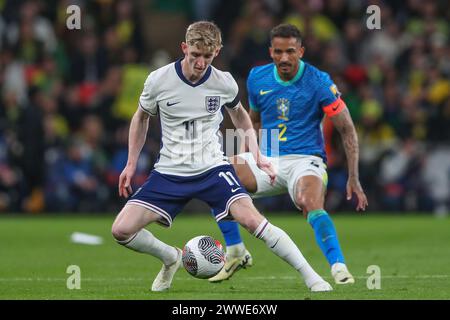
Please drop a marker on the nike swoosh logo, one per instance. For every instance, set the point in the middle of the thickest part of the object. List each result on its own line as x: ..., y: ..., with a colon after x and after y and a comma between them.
x: 229, y: 269
x: 335, y: 108
x: 172, y: 104
x: 242, y: 264
x: 326, y: 238
x: 275, y: 244
x: 262, y: 92
x: 314, y: 164
x: 234, y: 190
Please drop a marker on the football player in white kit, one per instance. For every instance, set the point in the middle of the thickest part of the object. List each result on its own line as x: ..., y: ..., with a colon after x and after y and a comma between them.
x: 188, y: 96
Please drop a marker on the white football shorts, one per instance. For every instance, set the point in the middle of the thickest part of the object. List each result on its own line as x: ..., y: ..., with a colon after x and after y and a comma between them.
x: 289, y: 168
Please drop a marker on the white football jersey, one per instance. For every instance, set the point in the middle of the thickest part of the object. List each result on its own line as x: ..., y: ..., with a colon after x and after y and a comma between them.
x: 190, y: 115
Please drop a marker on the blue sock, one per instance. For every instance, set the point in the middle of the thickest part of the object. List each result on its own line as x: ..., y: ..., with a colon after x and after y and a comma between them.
x: 326, y: 236
x: 230, y: 231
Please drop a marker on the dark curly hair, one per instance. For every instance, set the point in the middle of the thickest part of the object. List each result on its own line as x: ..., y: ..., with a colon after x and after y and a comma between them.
x: 286, y: 30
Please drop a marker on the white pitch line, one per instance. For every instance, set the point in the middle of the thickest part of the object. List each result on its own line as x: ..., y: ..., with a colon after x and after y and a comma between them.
x: 248, y: 278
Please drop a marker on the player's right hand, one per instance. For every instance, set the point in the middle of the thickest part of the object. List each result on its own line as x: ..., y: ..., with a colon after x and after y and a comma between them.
x: 125, y: 189
x: 354, y: 186
x: 265, y: 165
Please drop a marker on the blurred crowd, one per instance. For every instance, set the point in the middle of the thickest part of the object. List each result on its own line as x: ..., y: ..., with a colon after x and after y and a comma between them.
x: 67, y: 95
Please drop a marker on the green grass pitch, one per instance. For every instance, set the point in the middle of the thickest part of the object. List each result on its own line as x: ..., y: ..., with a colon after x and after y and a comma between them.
x: 413, y: 253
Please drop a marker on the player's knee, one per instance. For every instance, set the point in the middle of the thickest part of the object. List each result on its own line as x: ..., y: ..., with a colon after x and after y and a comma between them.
x: 252, y: 220
x: 250, y: 223
x: 248, y: 217
x: 120, y: 232
x: 307, y: 204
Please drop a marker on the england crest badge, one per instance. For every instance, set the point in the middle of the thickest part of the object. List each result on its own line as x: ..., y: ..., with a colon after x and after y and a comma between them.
x: 212, y: 103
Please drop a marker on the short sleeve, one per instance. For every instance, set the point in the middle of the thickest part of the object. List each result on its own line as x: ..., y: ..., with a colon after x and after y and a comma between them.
x: 329, y: 97
x: 232, y: 94
x: 251, y: 93
x: 147, y: 100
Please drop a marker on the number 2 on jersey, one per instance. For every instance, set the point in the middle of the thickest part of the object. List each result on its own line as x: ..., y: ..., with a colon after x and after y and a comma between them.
x: 282, y: 132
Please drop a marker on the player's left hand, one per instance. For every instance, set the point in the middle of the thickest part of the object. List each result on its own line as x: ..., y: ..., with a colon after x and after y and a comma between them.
x: 265, y: 165
x: 354, y: 186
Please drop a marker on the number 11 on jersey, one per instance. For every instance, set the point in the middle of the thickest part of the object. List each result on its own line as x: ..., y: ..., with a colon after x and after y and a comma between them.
x: 191, y: 129
x: 231, y: 180
x: 228, y: 176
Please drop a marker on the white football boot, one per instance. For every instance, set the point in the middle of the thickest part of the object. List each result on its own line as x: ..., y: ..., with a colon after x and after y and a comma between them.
x: 164, y: 278
x: 233, y: 264
x: 341, y: 274
x: 321, y: 286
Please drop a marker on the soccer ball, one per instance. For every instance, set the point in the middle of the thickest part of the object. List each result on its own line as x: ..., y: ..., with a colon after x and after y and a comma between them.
x: 203, y: 257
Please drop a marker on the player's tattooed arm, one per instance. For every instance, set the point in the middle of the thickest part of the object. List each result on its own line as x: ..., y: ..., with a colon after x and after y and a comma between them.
x: 344, y: 124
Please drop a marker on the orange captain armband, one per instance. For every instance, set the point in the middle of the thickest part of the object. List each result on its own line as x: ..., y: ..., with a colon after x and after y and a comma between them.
x: 334, y: 108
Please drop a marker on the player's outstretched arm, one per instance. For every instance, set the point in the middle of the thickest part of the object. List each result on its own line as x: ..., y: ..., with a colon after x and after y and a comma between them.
x: 344, y: 124
x: 255, y: 118
x: 136, y: 140
x: 241, y: 120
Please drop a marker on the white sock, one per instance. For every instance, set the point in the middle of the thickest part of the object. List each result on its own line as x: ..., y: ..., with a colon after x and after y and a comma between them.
x: 282, y: 245
x: 145, y: 242
x: 236, y: 250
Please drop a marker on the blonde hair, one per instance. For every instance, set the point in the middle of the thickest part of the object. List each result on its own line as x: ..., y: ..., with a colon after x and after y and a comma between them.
x: 204, y: 34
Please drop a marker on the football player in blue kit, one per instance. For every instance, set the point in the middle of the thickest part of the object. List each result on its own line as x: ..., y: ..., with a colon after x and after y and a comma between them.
x: 188, y: 96
x: 288, y: 100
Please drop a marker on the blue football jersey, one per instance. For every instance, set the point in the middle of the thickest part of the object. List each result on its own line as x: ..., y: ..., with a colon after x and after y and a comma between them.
x: 292, y: 111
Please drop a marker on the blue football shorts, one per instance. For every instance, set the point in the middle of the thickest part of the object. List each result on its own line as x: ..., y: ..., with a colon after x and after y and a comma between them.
x: 166, y: 195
